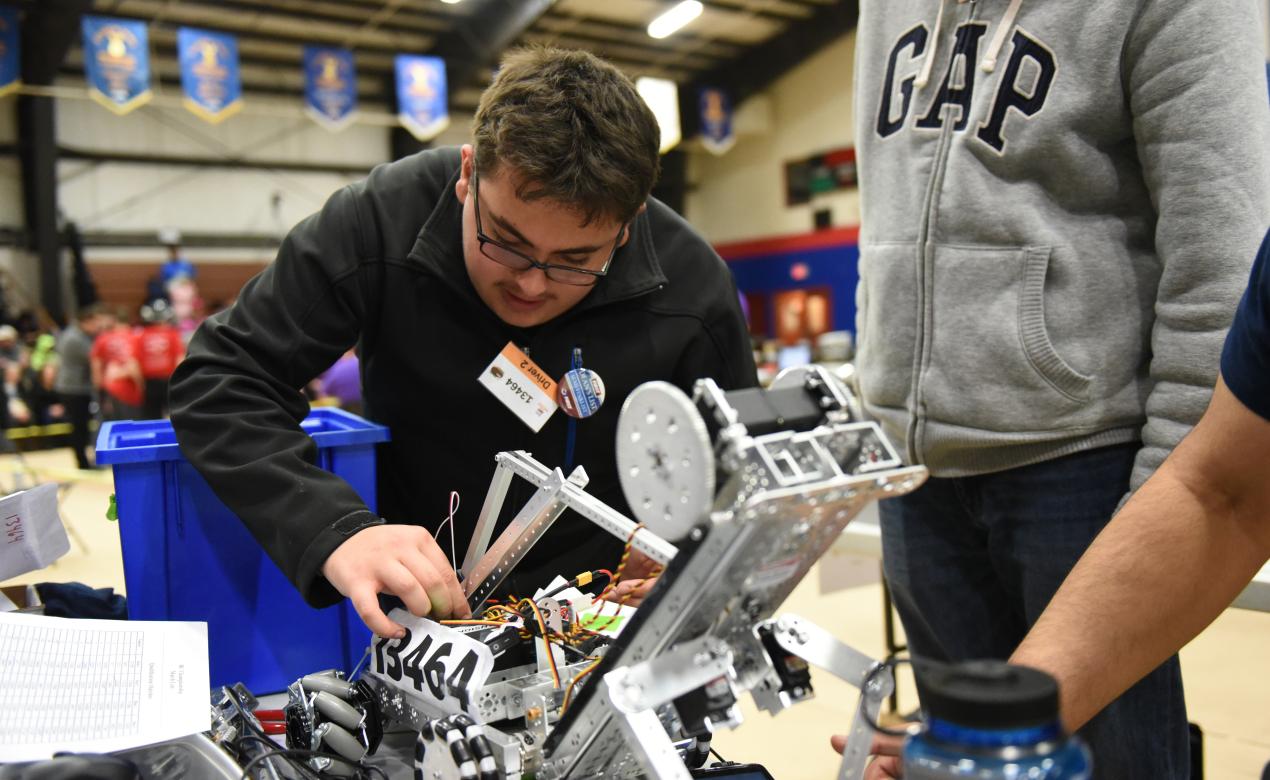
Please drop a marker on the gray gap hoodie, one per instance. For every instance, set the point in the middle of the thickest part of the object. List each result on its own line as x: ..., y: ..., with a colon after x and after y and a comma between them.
x: 1057, y: 221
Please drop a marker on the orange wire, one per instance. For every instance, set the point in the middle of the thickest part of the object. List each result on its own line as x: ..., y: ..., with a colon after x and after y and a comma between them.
x: 621, y: 567
x: 546, y: 642
x: 564, y: 705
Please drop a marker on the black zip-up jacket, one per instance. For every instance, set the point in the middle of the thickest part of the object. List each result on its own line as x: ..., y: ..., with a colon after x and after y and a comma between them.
x: 381, y: 266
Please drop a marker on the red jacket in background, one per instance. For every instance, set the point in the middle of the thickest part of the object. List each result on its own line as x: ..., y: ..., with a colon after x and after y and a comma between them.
x: 115, y: 349
x: 159, y: 349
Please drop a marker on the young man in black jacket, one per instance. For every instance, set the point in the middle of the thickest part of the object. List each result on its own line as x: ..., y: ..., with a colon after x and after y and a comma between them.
x: 541, y: 238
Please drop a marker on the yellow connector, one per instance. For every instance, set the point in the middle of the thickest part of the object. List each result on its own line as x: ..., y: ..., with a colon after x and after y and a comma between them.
x: 584, y: 578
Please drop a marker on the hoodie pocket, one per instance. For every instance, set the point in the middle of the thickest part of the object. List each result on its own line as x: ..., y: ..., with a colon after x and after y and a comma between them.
x: 992, y: 365
x: 886, y: 323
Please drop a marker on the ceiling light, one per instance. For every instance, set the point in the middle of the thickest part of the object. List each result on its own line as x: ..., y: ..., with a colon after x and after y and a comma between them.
x: 670, y: 22
x: 662, y: 96
x: 451, y: 2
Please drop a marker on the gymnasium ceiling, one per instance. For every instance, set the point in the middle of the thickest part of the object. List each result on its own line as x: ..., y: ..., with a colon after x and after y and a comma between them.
x: 741, y: 45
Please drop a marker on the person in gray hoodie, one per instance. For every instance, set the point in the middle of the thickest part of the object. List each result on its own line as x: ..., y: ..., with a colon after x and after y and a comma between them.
x: 1059, y: 206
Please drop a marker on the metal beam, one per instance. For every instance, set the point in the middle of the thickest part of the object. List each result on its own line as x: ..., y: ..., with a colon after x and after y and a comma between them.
x: 150, y: 238
x: 281, y: 25
x: 759, y: 67
x: 37, y: 129
x: 771, y: 10
x: 478, y: 41
x: 16, y: 236
x: 672, y: 184
x: 71, y: 153
x: 566, y: 24
x: 172, y: 85
x: 330, y: 10
x: 48, y: 31
x: 12, y: 235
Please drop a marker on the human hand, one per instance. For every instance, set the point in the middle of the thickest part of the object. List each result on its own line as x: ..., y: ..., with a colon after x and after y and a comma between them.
x: 638, y: 576
x: 886, y: 763
x: 639, y: 567
x: 631, y: 592
x: 403, y: 560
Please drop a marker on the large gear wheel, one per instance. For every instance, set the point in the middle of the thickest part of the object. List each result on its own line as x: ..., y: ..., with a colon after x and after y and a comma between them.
x: 664, y: 460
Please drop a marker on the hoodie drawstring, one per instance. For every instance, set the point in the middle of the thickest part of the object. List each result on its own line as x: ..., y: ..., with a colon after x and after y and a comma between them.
x: 929, y: 62
x: 989, y: 61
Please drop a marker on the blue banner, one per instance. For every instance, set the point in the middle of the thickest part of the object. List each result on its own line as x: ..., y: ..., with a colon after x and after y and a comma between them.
x: 116, y: 62
x: 209, y: 73
x: 10, y: 59
x: 421, y: 95
x: 716, y: 120
x: 330, y: 86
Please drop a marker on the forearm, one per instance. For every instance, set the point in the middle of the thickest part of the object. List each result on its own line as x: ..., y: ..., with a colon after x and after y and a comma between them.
x: 1161, y: 571
x: 239, y: 425
x: 236, y: 405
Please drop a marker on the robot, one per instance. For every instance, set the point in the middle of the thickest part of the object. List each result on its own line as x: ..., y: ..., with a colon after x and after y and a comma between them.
x: 737, y: 494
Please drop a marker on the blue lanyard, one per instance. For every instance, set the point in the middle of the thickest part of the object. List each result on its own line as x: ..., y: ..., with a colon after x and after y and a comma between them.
x: 572, y: 435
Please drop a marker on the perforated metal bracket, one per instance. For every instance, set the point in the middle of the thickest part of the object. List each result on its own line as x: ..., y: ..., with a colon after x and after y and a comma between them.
x: 650, y: 684
x: 538, y: 515
x: 652, y: 748
x: 635, y: 692
x: 874, y: 680
x: 484, y: 570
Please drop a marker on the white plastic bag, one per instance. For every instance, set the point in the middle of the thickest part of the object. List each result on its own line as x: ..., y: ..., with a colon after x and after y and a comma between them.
x: 31, y: 531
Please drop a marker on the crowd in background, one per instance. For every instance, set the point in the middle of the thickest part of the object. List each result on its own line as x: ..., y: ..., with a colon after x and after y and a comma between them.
x: 108, y: 363
x: 103, y: 365
x: 114, y: 363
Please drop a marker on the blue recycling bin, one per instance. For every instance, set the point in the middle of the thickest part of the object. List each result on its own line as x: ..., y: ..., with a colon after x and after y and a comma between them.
x: 186, y: 556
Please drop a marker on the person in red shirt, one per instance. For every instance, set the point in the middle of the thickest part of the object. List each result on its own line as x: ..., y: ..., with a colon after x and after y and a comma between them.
x: 117, y: 372
x: 159, y: 348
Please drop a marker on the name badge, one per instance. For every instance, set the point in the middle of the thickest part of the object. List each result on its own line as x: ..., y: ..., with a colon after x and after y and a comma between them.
x: 521, y: 386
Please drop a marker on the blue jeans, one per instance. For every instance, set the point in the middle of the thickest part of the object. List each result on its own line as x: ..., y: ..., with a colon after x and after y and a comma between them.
x: 972, y: 562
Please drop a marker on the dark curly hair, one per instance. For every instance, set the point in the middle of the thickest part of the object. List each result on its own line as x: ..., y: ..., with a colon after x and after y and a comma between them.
x: 572, y: 128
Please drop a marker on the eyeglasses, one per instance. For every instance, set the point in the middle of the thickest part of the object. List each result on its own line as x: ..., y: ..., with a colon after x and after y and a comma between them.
x: 518, y: 261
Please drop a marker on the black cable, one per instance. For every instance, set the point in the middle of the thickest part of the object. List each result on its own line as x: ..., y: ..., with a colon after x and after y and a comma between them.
x: 890, y: 663
x: 715, y: 753
x: 272, y: 749
x: 288, y: 754
x: 293, y: 753
x: 244, y: 714
x: 573, y: 583
x: 581, y: 655
x: 259, y: 735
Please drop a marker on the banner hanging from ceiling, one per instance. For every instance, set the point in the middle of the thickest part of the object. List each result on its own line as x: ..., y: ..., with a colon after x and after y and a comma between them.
x: 717, y: 135
x: 330, y: 86
x: 421, y: 95
x: 209, y: 73
x: 116, y: 62
x: 10, y: 61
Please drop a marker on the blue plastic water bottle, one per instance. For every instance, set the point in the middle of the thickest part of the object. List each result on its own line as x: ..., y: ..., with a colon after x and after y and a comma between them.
x: 988, y: 720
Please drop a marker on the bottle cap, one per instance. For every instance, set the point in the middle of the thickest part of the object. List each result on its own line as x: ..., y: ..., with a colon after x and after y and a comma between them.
x: 987, y: 694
